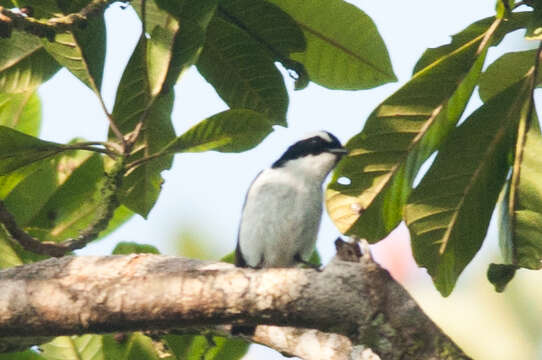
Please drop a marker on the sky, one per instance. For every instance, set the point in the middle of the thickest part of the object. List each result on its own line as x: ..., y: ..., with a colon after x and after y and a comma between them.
x: 204, y: 193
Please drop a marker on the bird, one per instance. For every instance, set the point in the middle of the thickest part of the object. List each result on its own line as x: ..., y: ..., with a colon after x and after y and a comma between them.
x: 283, y: 207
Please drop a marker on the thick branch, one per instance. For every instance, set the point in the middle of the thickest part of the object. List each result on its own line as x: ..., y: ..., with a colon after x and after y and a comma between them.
x: 75, y: 295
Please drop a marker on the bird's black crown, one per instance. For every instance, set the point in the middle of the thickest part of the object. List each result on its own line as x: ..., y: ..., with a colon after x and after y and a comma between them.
x: 319, y: 143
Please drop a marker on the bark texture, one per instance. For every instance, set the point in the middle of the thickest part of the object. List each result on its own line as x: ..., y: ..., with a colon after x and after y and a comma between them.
x: 344, y: 310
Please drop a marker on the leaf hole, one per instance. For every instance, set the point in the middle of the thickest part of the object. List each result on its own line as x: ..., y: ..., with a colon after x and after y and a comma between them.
x: 147, y: 35
x: 343, y: 180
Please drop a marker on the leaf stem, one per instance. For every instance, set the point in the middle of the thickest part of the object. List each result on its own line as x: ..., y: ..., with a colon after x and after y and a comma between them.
x: 145, y: 159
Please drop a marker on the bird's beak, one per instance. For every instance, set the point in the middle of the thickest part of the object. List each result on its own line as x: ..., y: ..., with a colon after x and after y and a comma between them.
x: 339, y: 151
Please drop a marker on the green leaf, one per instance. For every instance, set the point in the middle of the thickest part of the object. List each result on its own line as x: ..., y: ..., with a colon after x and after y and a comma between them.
x: 124, y: 248
x: 266, y: 23
x: 187, y: 347
x: 344, y: 48
x: 500, y: 275
x: 505, y: 71
x: 227, y: 349
x: 233, y: 130
x: 72, y: 204
x: 521, y: 211
x: 23, y: 355
x: 24, y: 63
x: 170, y: 49
x: 242, y: 72
x: 8, y: 254
x: 21, y: 112
x: 190, y: 347
x: 513, y: 22
x: 398, y: 137
x: 142, y: 184
x: 449, y: 212
x: 81, y: 51
x: 504, y: 7
x: 534, y: 27
x: 85, y: 347
x: 18, y: 149
x: 134, y: 103
x: 133, y: 346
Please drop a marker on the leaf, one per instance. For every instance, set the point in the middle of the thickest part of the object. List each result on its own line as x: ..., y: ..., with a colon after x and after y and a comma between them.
x: 344, y: 48
x: 227, y: 349
x: 21, y: 112
x: 170, y: 49
x: 190, y: 347
x: 513, y: 22
x: 124, y: 248
x: 23, y: 355
x: 187, y: 347
x: 534, y: 27
x: 242, y: 72
x: 134, y: 103
x: 521, y: 212
x: 133, y: 346
x: 142, y: 184
x: 8, y: 255
x: 449, y: 212
x: 398, y: 137
x: 266, y: 23
x: 85, y: 347
x: 505, y: 71
x: 18, y: 149
x: 233, y: 130
x: 500, y: 275
x: 24, y: 63
x: 81, y: 51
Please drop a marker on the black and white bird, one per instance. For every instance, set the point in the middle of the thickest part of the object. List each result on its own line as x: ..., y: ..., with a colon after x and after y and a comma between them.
x: 283, y: 207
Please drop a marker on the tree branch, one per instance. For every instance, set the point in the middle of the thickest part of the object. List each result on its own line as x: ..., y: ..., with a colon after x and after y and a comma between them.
x: 48, y: 29
x: 358, y: 301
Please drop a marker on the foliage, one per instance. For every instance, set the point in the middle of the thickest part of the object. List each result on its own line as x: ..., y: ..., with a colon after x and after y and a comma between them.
x: 54, y: 190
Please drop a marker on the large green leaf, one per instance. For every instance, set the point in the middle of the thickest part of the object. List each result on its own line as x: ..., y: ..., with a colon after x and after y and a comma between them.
x: 24, y: 192
x: 449, y: 212
x: 344, y: 48
x: 398, y: 137
x: 242, y: 71
x: 521, y: 210
x: 18, y: 149
x: 135, y: 103
x: 24, y: 64
x: 75, y: 201
x: 191, y: 347
x: 21, y: 112
x: 85, y: 347
x: 233, y: 130
x: 505, y: 71
x: 266, y: 23
x: 129, y: 347
x: 142, y: 184
x: 513, y: 22
x: 177, y: 33
x: 81, y: 51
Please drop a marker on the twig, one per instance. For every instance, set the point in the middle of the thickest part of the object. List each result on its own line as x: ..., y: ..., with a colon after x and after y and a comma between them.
x: 145, y: 159
x: 49, y: 28
x: 105, y: 213
x: 90, y: 146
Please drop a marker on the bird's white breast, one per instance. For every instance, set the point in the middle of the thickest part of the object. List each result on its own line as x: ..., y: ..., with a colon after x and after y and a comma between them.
x: 282, y: 214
